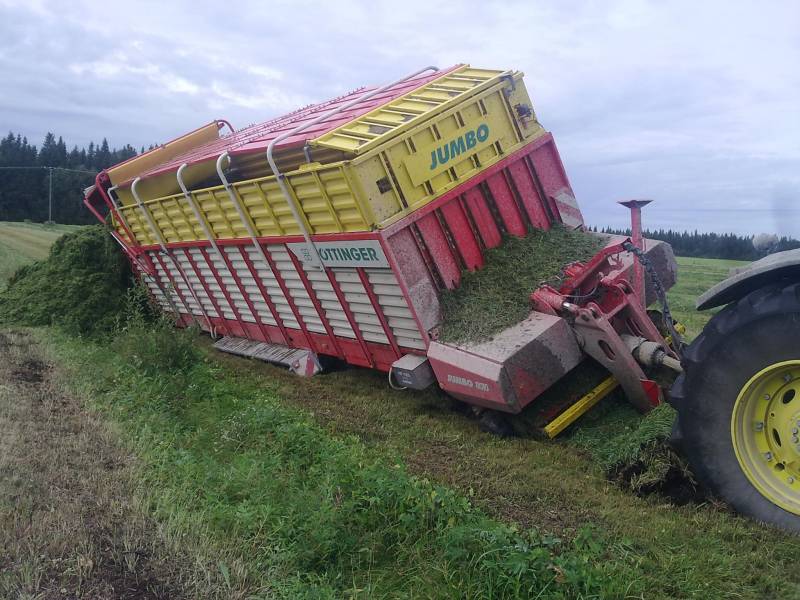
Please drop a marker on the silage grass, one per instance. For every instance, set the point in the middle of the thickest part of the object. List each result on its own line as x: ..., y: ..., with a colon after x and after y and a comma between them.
x: 80, y: 287
x: 24, y: 243
x: 498, y: 295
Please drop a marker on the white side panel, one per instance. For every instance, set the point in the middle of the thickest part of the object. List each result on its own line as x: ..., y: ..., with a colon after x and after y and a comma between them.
x: 240, y: 304
x: 166, y: 285
x: 211, y: 283
x: 188, y: 299
x: 382, y: 282
x: 187, y: 267
x: 273, y: 288
x: 291, y: 278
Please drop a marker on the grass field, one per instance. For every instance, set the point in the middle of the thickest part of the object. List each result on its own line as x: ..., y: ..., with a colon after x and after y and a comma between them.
x: 23, y: 243
x: 695, y: 276
x: 275, y: 485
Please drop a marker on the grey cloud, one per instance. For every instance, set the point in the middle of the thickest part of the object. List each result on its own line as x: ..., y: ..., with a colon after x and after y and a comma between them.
x: 694, y: 104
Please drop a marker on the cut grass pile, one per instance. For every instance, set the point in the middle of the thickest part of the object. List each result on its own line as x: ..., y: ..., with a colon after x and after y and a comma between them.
x: 298, y: 512
x: 24, y: 243
x: 80, y: 287
x: 498, y: 296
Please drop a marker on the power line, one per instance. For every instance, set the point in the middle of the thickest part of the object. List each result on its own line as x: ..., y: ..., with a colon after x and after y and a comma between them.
x: 54, y: 169
x: 50, y: 182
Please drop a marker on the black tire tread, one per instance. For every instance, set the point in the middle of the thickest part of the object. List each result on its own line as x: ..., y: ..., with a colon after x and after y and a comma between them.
x: 742, y: 317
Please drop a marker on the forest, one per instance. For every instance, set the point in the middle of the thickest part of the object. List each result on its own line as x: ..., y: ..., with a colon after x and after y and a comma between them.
x: 716, y: 245
x: 24, y: 192
x: 24, y: 196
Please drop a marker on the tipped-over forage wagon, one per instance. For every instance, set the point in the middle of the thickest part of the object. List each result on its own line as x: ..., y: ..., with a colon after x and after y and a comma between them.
x: 335, y: 230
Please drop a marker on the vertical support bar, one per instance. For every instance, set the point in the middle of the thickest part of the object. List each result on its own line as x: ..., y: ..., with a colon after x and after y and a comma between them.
x: 267, y: 300
x: 245, y: 295
x: 161, y: 242
x: 222, y: 286
x: 175, y: 288
x: 207, y: 289
x: 378, y: 311
x: 201, y: 220
x: 287, y: 294
x: 298, y: 266
x: 635, y: 206
x: 50, y: 198
x: 116, y: 210
x: 350, y: 316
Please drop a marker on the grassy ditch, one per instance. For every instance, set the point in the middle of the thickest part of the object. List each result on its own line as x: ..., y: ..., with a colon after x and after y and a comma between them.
x: 498, y: 295
x: 298, y: 511
x: 338, y: 486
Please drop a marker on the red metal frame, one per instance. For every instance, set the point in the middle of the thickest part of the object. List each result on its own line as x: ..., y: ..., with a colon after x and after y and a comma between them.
x: 245, y: 295
x: 362, y: 275
x: 314, y: 300
x: 350, y: 317
x: 472, y: 184
x: 222, y: 286
x: 290, y: 301
x: 204, y: 283
x: 390, y: 257
x: 267, y: 300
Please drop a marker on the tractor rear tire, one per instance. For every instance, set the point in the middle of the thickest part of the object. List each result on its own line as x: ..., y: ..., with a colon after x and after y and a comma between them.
x: 738, y: 403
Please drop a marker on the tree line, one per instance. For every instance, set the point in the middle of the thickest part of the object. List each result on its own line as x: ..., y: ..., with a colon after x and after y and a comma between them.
x: 24, y: 196
x: 716, y: 245
x: 24, y: 192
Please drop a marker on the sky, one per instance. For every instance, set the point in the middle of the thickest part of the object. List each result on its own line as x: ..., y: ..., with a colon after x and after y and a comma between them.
x: 695, y: 105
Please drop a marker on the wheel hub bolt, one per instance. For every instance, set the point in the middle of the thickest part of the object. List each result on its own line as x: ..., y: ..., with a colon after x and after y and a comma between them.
x: 787, y: 378
x: 790, y: 480
x: 768, y: 455
x: 794, y: 439
x: 759, y: 425
x: 795, y: 430
x: 767, y: 396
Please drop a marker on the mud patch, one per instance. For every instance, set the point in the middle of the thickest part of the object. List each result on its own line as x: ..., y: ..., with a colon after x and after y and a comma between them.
x: 660, y: 471
x: 66, y: 509
x: 30, y: 371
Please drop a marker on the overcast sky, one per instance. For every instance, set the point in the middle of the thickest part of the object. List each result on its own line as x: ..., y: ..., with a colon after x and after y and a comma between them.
x: 695, y: 104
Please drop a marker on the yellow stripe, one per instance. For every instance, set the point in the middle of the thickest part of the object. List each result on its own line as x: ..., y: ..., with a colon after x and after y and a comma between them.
x: 581, y: 407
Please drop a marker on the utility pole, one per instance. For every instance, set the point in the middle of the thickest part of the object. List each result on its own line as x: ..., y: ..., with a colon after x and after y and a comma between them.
x: 50, y: 183
x: 50, y: 198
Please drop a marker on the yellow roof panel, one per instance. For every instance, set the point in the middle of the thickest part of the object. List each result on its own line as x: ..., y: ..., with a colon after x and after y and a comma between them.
x: 385, y: 122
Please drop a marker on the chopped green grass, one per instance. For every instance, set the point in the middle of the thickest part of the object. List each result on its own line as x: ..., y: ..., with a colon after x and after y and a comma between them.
x: 498, y: 296
x: 80, y: 287
x: 24, y: 243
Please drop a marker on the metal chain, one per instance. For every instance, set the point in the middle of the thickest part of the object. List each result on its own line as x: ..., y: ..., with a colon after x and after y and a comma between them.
x: 661, y: 293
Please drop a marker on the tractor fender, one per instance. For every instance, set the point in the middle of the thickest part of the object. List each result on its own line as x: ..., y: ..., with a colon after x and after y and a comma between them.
x: 772, y: 268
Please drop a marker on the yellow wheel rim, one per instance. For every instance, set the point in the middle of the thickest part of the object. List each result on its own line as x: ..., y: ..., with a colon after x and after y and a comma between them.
x: 765, y: 428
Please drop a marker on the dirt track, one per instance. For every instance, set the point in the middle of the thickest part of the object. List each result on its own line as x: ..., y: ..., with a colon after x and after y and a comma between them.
x: 68, y: 525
